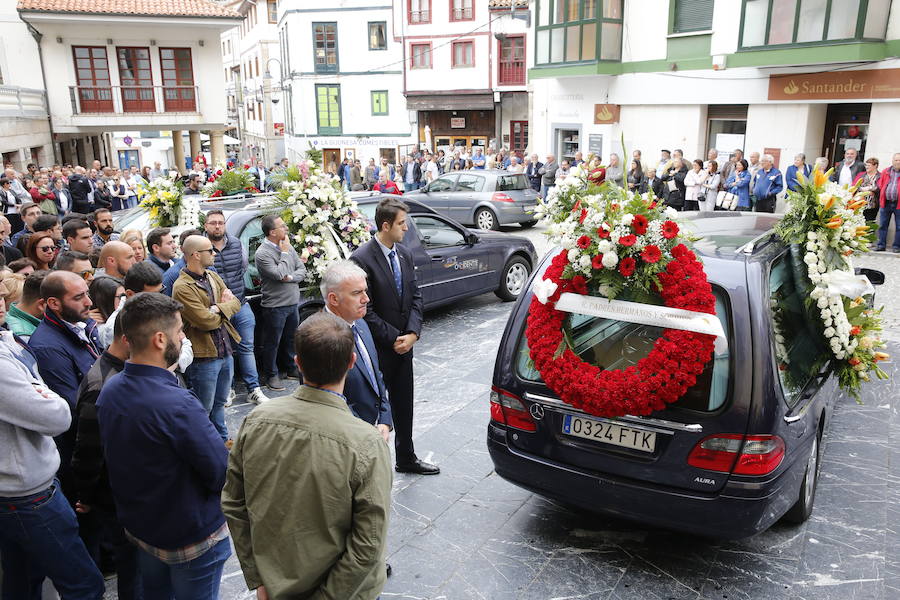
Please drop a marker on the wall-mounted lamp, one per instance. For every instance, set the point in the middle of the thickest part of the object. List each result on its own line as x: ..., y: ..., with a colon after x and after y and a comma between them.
x: 58, y: 40
x: 201, y: 43
x: 152, y: 42
x: 109, y: 41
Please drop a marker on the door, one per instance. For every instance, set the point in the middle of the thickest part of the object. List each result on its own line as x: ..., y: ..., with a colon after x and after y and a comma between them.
x: 178, y: 79
x: 456, y: 267
x: 518, y: 137
x: 437, y: 194
x: 128, y: 159
x: 468, y: 192
x: 845, y: 124
x: 92, y: 73
x: 136, y: 78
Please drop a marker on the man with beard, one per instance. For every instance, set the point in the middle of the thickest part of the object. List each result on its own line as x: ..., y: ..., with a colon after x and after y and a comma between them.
x: 115, y: 259
x: 208, y: 308
x: 165, y: 460
x: 66, y: 345
x: 104, y: 222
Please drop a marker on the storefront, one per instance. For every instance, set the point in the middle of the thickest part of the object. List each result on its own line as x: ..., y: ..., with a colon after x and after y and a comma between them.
x: 335, y: 149
x: 449, y: 129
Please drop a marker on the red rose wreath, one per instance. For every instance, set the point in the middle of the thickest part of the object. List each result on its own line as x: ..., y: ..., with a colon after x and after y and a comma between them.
x: 673, y: 365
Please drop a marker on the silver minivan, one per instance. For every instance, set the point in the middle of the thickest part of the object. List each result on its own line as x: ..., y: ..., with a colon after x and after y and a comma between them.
x: 486, y: 199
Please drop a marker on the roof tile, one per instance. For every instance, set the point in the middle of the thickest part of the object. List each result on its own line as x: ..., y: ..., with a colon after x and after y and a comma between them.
x: 155, y: 8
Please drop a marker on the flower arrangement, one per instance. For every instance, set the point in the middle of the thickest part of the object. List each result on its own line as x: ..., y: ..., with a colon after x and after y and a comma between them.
x: 168, y: 206
x: 228, y: 182
x: 825, y: 220
x: 615, y: 241
x: 320, y: 215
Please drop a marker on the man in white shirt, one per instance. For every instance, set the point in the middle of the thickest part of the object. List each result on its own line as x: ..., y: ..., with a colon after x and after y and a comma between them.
x: 846, y: 172
x: 431, y: 169
x: 515, y: 166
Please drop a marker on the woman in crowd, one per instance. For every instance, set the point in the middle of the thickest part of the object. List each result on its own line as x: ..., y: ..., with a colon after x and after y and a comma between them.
x: 868, y: 182
x: 118, y: 192
x: 135, y: 239
x: 739, y: 184
x: 42, y: 195
x: 635, y: 179
x: 41, y: 249
x: 674, y: 179
x: 821, y: 164
x: 711, y: 186
x: 693, y: 185
x: 145, y: 174
x: 102, y: 197
x: 107, y: 294
x: 614, y: 171
x: 12, y: 278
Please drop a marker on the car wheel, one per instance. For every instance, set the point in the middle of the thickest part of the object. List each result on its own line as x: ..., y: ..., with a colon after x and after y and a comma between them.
x: 528, y: 224
x: 513, y: 279
x: 486, y: 219
x: 801, y: 510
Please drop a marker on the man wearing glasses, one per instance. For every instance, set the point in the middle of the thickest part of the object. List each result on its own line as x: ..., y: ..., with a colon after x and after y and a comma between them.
x: 208, y: 308
x: 75, y: 262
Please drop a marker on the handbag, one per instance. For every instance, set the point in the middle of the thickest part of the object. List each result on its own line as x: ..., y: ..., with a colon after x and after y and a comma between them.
x: 726, y: 200
x: 671, y: 185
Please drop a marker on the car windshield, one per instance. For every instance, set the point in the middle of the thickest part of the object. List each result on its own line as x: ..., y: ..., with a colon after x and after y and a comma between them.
x: 611, y: 344
x: 506, y: 183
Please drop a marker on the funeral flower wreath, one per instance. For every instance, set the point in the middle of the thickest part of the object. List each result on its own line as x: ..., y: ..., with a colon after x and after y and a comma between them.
x: 615, y: 241
x: 167, y: 205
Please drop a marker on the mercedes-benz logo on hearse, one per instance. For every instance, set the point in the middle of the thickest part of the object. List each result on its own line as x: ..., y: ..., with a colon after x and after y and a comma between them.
x: 537, y: 411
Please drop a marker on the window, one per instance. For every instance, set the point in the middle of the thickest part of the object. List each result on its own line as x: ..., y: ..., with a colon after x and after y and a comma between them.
x: 92, y: 74
x: 420, y: 56
x: 463, y: 54
x: 328, y: 109
x: 136, y: 79
x: 506, y: 183
x: 612, y: 344
x: 379, y: 102
x: 692, y: 15
x: 272, y: 6
x: 419, y: 11
x: 461, y: 10
x: 768, y: 23
x: 574, y: 31
x: 435, y: 233
x: 325, y: 52
x: 798, y: 351
x: 470, y: 182
x: 378, y: 35
x: 177, y: 79
x: 512, y: 60
x: 442, y: 184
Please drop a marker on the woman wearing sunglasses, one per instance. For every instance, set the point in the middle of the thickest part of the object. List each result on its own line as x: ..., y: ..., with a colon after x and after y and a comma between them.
x: 41, y: 249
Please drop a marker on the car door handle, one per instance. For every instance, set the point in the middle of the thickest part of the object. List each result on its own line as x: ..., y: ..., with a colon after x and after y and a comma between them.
x: 437, y: 258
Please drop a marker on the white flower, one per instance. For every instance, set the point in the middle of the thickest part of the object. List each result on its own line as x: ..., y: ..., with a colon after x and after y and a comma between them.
x: 584, y: 262
x: 670, y: 213
x: 628, y: 219
x: 573, y: 255
x: 829, y: 332
x: 811, y: 236
x: 604, y: 246
x: 543, y: 290
x: 811, y: 246
x: 610, y: 260
x: 822, y: 303
x: 826, y: 314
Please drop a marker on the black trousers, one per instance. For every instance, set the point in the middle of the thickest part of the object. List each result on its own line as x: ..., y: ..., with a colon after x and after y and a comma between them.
x: 766, y: 204
x: 398, y: 377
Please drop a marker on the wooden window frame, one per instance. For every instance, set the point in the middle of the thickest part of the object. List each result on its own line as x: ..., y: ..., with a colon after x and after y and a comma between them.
x: 453, y: 46
x: 500, y: 63
x: 386, y: 103
x: 596, y: 19
x: 412, y: 56
x: 454, y: 10
x: 419, y: 19
x: 328, y: 130
x: 269, y: 5
x: 369, y: 34
x: 326, y: 68
x: 858, y: 37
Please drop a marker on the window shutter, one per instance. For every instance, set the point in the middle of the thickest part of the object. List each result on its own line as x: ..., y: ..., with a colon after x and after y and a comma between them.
x: 692, y: 15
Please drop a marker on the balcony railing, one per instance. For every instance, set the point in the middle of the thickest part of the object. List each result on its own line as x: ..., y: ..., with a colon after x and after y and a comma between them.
x: 118, y: 99
x: 419, y: 16
x: 461, y: 14
x: 512, y: 73
x: 21, y: 102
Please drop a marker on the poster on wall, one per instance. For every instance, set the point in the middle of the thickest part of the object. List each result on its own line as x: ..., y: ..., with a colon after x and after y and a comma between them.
x: 595, y: 144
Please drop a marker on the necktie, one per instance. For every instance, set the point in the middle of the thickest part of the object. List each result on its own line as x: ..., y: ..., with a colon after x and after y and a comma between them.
x: 395, y: 267
x: 364, y: 357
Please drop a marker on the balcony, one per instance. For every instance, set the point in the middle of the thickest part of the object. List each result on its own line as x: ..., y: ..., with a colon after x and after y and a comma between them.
x: 23, y: 103
x: 118, y: 99
x: 512, y: 73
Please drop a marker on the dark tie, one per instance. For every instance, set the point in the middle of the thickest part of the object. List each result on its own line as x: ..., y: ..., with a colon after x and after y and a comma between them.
x: 364, y: 357
x: 395, y: 267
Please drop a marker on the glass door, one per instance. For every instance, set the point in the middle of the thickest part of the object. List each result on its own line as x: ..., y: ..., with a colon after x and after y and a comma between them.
x: 850, y: 135
x: 137, y: 80
x: 92, y: 73
x: 178, y: 79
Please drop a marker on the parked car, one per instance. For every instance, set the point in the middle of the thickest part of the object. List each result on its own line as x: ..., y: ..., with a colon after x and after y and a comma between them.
x: 486, y: 199
x: 452, y: 262
x: 737, y: 453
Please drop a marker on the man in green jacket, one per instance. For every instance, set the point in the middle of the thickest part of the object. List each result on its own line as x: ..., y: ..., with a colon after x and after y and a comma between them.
x: 25, y: 315
x: 308, y: 489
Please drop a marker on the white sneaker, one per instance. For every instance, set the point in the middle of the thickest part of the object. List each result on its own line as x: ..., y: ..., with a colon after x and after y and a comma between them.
x: 231, y: 396
x: 256, y: 396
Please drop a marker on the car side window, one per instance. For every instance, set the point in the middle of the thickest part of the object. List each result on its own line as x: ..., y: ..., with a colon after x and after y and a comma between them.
x: 470, y: 183
x: 251, y: 237
x: 435, y: 233
x: 441, y: 184
x: 797, y: 345
x: 506, y: 183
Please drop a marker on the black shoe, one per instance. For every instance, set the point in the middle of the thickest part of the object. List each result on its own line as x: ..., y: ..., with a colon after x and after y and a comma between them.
x: 879, y: 248
x: 295, y: 374
x: 274, y: 383
x: 389, y: 569
x: 419, y: 467
x: 895, y: 250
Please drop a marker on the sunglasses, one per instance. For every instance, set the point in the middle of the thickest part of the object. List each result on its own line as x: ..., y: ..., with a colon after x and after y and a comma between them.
x: 210, y: 250
x: 86, y: 274
x: 46, y: 248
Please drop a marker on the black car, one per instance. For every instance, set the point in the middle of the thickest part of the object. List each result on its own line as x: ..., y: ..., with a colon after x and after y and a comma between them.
x: 737, y: 453
x: 452, y: 262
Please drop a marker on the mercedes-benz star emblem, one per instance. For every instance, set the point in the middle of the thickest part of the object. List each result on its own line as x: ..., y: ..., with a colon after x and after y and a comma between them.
x: 537, y: 411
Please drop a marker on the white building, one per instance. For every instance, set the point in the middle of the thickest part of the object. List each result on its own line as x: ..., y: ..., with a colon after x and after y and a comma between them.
x: 250, y: 51
x: 24, y: 126
x: 130, y: 65
x: 343, y: 80
x: 816, y: 77
x: 466, y: 63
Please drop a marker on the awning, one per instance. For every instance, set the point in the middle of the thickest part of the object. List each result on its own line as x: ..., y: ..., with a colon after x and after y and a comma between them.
x: 450, y: 101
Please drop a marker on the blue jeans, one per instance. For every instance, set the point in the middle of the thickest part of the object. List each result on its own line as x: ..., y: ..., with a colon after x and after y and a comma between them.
x: 39, y: 538
x: 245, y: 362
x: 409, y: 187
x: 277, y: 344
x: 197, y: 579
x: 211, y: 381
x: 100, y: 524
x: 884, y: 222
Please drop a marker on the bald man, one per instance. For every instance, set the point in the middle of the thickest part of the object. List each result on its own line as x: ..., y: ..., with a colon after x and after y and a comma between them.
x: 115, y: 259
x: 208, y: 308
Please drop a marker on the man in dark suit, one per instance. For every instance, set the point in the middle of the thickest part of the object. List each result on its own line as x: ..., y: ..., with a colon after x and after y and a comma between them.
x: 394, y: 316
x: 344, y: 291
x: 847, y: 170
x: 532, y: 171
x: 80, y: 188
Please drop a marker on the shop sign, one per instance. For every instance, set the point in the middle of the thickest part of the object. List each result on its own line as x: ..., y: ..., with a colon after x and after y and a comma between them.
x: 595, y: 144
x: 457, y: 122
x: 279, y: 128
x: 606, y: 114
x: 836, y: 85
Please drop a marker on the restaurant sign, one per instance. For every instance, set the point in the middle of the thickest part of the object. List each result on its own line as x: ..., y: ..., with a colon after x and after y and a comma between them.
x: 836, y: 85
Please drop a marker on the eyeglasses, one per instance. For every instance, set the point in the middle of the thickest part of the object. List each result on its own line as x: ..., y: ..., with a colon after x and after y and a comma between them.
x: 210, y: 250
x: 46, y: 248
x: 86, y: 274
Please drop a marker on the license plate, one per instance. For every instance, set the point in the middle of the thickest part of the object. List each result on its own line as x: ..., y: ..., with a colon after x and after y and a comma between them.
x: 609, y: 433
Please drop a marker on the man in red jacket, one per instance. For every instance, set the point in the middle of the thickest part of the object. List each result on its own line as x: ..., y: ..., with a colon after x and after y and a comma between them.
x: 386, y: 185
x: 889, y: 188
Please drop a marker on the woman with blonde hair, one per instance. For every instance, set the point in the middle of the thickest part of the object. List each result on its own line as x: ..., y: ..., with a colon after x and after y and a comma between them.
x: 135, y: 239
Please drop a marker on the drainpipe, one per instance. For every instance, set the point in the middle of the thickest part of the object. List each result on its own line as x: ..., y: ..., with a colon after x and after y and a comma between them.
x: 38, y: 36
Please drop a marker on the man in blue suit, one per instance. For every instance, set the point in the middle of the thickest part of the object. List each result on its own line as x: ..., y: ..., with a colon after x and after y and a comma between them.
x: 344, y: 291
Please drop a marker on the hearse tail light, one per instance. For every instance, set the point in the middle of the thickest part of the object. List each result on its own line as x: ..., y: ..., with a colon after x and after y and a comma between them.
x: 508, y: 409
x: 501, y: 197
x: 742, y: 455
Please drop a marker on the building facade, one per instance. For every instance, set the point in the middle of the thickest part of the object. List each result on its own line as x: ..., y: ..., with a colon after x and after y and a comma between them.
x: 465, y: 71
x: 775, y: 76
x: 250, y: 52
x: 343, y: 82
x: 158, y: 68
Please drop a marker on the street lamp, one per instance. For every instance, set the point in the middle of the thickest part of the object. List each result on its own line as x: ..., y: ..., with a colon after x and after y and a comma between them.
x: 267, y: 76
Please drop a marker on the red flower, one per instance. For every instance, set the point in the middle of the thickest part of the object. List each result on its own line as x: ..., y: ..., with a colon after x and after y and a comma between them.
x: 583, y: 215
x: 583, y: 242
x: 639, y: 224
x: 855, y: 330
x: 597, y: 176
x: 246, y: 166
x: 597, y: 261
x: 627, y: 240
x: 219, y: 172
x: 651, y: 254
x: 626, y: 266
x: 603, y: 233
x: 669, y: 229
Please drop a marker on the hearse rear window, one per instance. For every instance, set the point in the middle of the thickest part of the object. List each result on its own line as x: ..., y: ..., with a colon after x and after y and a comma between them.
x: 611, y: 344
x: 507, y: 183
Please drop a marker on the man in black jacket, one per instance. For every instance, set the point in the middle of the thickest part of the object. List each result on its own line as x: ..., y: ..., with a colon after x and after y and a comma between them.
x: 411, y: 173
x: 394, y: 316
x: 80, y: 189
x: 532, y: 171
